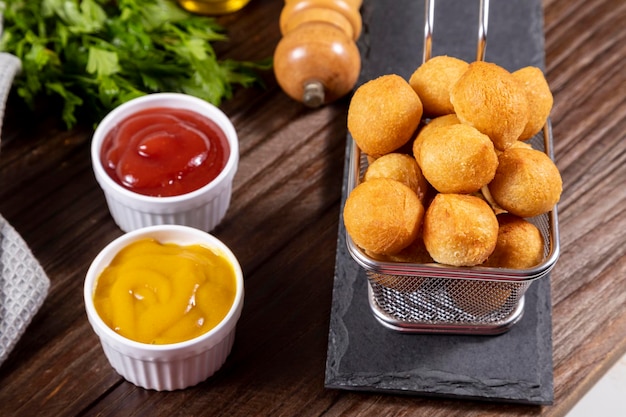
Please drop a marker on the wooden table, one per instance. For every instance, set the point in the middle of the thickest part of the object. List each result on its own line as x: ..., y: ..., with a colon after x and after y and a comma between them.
x: 282, y: 225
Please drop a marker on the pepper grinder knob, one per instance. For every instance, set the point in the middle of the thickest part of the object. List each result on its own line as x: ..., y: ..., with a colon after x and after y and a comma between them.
x: 317, y: 60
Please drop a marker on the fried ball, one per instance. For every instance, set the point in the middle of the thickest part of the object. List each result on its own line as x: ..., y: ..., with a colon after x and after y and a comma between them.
x: 527, y: 183
x: 415, y: 253
x: 448, y: 119
x: 540, y: 99
x: 480, y: 297
x: 457, y: 159
x: 383, y: 216
x: 489, y: 98
x: 520, y: 144
x: 383, y: 114
x: 517, y: 144
x: 520, y: 244
x: 433, y: 80
x: 399, y: 167
x: 460, y: 230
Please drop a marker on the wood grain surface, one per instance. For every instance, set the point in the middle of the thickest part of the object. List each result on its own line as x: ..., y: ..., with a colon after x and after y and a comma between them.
x: 282, y: 225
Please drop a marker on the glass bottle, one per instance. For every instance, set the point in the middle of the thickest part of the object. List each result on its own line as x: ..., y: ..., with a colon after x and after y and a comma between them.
x: 212, y: 7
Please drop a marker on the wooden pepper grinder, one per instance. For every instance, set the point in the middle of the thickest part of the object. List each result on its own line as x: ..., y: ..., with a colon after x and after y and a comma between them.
x: 317, y: 60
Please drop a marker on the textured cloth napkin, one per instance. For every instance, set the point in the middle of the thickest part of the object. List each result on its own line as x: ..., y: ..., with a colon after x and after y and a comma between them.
x: 23, y: 282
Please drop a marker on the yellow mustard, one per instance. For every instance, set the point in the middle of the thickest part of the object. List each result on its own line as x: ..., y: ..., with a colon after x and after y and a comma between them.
x: 161, y: 293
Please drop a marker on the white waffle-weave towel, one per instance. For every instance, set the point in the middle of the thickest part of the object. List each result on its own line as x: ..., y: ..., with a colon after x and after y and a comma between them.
x: 23, y: 282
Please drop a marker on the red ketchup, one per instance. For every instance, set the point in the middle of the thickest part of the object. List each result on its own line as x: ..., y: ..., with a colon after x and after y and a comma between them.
x: 164, y: 152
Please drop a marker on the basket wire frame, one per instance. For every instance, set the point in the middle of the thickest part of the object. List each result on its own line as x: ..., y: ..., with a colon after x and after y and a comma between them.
x: 435, y: 298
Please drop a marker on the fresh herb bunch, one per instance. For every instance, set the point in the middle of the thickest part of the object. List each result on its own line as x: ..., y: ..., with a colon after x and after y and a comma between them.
x: 97, y: 54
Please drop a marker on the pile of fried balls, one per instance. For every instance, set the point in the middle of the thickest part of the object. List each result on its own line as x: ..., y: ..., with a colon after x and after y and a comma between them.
x: 451, y: 175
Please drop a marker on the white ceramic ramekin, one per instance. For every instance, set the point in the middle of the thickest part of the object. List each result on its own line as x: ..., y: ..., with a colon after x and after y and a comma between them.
x: 171, y: 366
x: 203, y: 208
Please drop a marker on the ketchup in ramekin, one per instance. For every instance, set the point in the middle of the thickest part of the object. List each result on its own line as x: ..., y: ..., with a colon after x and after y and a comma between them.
x: 164, y: 151
x: 166, y: 158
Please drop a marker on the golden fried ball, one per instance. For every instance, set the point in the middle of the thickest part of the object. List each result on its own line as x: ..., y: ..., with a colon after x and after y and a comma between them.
x: 399, y: 167
x: 460, y: 230
x: 489, y: 98
x: 448, y: 119
x: 415, y: 253
x: 517, y: 144
x: 457, y: 158
x: 527, y: 183
x: 540, y: 99
x: 383, y: 216
x: 520, y: 144
x: 520, y: 244
x: 433, y: 80
x: 383, y: 114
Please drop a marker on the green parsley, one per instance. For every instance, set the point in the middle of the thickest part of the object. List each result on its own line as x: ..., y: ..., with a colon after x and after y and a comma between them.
x: 97, y: 54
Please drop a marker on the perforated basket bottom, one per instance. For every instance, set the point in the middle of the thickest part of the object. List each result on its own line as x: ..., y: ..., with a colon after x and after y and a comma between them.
x: 409, y: 303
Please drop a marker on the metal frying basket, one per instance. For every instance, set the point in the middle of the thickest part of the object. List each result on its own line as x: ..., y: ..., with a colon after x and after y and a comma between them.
x: 435, y: 298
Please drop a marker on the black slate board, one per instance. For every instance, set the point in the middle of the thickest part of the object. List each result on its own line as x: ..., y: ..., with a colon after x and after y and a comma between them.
x: 362, y: 354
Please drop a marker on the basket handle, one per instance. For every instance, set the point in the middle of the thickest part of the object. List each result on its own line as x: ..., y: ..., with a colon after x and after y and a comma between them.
x: 483, y: 23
